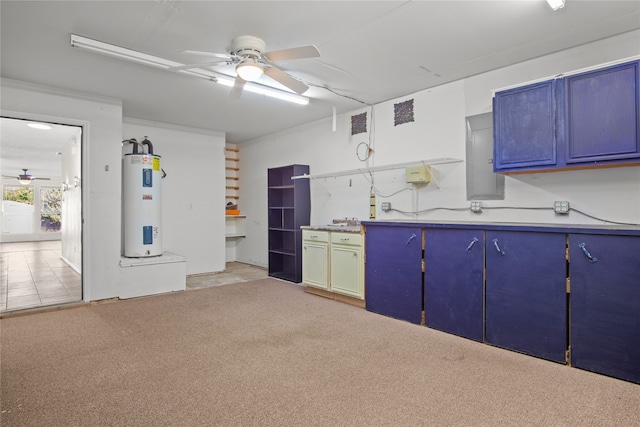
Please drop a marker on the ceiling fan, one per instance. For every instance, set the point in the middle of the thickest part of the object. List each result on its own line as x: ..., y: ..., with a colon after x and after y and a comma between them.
x: 24, y: 178
x: 251, y: 61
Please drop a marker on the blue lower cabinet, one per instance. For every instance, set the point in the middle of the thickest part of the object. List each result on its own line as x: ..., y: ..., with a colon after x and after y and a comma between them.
x: 393, y: 272
x: 605, y: 304
x: 526, y: 300
x: 454, y: 282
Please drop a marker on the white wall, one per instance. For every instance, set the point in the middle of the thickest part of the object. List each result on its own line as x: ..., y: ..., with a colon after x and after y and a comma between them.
x: 438, y: 131
x: 193, y: 193
x: 102, y: 121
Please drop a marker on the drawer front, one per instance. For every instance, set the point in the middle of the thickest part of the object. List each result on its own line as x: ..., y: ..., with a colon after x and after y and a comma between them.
x: 315, y: 235
x: 346, y: 238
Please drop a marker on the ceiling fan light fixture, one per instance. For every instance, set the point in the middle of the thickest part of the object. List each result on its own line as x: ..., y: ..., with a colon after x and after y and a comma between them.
x: 556, y: 4
x: 24, y: 181
x: 249, y: 70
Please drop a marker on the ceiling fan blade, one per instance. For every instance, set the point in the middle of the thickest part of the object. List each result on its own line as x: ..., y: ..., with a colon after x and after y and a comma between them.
x: 215, y: 55
x: 292, y: 53
x: 285, y: 79
x: 200, y: 65
x: 45, y: 179
x: 238, y: 87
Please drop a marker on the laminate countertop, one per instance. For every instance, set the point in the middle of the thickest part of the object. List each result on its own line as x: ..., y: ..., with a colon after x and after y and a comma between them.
x: 334, y: 227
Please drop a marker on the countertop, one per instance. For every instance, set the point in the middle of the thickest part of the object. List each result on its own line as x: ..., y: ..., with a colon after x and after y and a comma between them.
x: 629, y: 230
x: 334, y: 227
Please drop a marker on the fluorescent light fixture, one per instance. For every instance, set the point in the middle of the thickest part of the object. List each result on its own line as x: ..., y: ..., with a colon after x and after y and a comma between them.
x: 39, y: 126
x: 267, y: 91
x: 154, y: 61
x: 249, y: 70
x: 556, y: 4
x: 121, y: 52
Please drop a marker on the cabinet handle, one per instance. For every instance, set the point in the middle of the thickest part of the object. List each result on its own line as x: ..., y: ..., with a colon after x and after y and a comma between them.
x: 413, y: 236
x: 495, y: 243
x: 473, y: 242
x: 583, y: 246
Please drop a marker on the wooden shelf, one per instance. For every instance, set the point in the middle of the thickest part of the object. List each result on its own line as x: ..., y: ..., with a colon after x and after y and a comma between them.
x: 231, y: 159
x: 232, y: 187
x: 235, y: 150
x: 229, y: 168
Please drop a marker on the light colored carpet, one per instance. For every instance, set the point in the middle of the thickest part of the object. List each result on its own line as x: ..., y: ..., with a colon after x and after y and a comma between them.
x: 265, y: 353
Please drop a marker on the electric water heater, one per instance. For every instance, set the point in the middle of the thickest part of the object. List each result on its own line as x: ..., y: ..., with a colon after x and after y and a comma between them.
x: 142, y: 201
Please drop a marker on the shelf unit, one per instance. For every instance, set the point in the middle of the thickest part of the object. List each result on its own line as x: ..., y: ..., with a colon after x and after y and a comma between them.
x: 232, y: 169
x: 289, y: 205
x: 233, y: 229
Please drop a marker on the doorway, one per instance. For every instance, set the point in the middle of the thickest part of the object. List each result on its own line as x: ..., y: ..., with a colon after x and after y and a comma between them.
x: 40, y: 219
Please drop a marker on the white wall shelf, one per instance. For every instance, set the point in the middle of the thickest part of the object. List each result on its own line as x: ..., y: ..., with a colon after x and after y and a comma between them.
x: 430, y: 162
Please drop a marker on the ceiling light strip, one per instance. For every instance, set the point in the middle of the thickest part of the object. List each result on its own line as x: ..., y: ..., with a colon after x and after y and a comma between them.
x: 154, y: 61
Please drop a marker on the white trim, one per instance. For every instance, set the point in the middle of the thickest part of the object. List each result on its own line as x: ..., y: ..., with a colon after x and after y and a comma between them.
x: 35, y: 87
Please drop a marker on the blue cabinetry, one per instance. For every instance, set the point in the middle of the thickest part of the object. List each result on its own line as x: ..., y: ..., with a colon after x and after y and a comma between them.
x: 605, y: 304
x: 602, y: 114
x: 526, y: 303
x: 393, y: 272
x: 584, y: 120
x: 519, y: 288
x: 453, y: 281
x: 524, y: 127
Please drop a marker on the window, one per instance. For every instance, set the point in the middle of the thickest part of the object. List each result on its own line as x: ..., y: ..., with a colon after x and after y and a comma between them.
x: 50, y: 208
x: 17, y: 209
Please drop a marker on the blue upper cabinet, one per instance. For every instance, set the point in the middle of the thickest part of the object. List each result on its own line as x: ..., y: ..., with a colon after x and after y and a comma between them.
x: 602, y: 114
x: 524, y: 127
x: 583, y: 120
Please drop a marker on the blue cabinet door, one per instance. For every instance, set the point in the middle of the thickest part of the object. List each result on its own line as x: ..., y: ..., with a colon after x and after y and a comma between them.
x: 526, y: 303
x: 603, y: 114
x: 393, y: 272
x: 454, y: 282
x: 605, y: 304
x: 524, y: 127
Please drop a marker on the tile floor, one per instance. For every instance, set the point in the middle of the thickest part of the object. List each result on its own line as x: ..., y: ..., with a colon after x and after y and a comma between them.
x: 234, y: 272
x: 33, y: 275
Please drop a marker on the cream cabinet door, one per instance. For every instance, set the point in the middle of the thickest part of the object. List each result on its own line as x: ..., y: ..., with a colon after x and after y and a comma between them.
x: 347, y: 265
x: 315, y: 259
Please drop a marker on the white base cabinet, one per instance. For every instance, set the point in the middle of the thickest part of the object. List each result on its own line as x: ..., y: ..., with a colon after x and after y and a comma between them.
x: 333, y: 262
x: 347, y: 266
x: 315, y: 258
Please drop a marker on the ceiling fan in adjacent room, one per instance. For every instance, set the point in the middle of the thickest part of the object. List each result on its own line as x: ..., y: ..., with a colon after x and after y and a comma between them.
x: 251, y: 61
x: 24, y: 178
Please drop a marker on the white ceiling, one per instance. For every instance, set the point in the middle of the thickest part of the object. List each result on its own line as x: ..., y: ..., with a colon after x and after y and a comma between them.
x: 371, y: 51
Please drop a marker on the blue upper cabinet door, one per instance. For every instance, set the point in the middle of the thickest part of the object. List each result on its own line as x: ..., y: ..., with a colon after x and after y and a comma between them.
x: 454, y: 282
x: 603, y: 114
x: 605, y: 304
x: 526, y: 302
x: 393, y: 272
x: 524, y: 127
